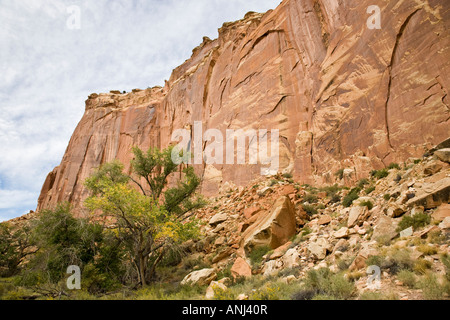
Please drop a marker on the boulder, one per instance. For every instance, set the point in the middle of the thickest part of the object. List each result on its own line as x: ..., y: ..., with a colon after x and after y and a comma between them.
x: 367, y: 250
x: 341, y: 233
x: 291, y: 258
x: 264, y: 191
x: 280, y: 251
x: 319, y: 248
x: 445, y: 224
x: 395, y: 210
x: 241, y: 268
x: 272, y: 267
x: 442, y: 212
x: 324, y: 219
x: 432, y: 167
x: 218, y: 219
x: 200, y: 277
x: 432, y: 194
x: 357, y: 215
x: 385, y: 228
x: 407, y: 232
x: 273, y: 229
x: 443, y: 155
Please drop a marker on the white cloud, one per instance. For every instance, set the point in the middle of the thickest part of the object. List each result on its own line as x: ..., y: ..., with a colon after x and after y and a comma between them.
x: 48, y: 70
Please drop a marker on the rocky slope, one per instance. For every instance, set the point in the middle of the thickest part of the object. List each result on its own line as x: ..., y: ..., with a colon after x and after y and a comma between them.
x: 341, y: 94
x: 398, y: 221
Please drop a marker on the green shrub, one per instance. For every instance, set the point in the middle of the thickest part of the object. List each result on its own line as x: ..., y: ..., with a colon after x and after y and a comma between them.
x: 379, y: 174
x: 431, y: 287
x: 375, y: 261
x: 421, y: 266
x: 369, y: 190
x: 335, y: 198
x: 362, y: 183
x: 331, y: 190
x: 309, y: 209
x: 427, y: 249
x: 257, y: 253
x: 350, y: 197
x: 287, y: 175
x: 408, y: 278
x: 310, y: 198
x: 398, y: 259
x: 387, y: 196
x: 328, y: 283
x: 417, y: 221
x: 367, y: 204
x: 394, y: 166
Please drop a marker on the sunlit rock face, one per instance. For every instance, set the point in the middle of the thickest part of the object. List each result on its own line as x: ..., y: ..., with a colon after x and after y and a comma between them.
x: 343, y: 94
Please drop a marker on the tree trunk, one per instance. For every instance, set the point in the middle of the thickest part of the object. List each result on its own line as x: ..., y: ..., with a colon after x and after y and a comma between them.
x: 158, y: 260
x: 142, y: 270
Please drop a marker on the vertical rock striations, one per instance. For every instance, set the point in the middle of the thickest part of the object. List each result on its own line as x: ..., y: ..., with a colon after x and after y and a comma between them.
x: 342, y: 95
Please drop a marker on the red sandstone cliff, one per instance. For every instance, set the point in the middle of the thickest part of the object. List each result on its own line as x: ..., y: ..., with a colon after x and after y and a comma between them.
x: 341, y: 94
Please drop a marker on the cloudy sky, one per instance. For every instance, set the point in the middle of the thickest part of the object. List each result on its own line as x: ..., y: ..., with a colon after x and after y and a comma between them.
x: 48, y: 67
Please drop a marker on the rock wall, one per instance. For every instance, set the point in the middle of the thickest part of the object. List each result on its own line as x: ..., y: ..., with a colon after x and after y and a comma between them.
x: 341, y: 94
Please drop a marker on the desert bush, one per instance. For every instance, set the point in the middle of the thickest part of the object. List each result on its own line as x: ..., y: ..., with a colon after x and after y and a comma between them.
x: 328, y: 283
x: 379, y: 174
x: 394, y: 166
x: 431, y: 287
x: 367, y: 204
x: 310, y: 198
x: 427, y: 249
x: 257, y: 253
x: 369, y: 190
x: 362, y: 183
x: 309, y: 209
x: 287, y: 175
x: 421, y: 266
x: 408, y: 278
x: 350, y: 197
x: 417, y: 221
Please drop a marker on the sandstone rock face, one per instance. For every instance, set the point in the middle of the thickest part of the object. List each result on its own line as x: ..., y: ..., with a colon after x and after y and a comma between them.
x: 273, y: 229
x: 342, y: 95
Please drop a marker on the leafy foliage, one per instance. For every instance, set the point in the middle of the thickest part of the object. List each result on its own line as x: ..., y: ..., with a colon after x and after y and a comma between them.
x: 152, y: 219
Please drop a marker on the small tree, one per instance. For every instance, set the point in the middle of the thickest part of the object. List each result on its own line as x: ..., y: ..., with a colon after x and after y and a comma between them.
x: 153, y: 218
